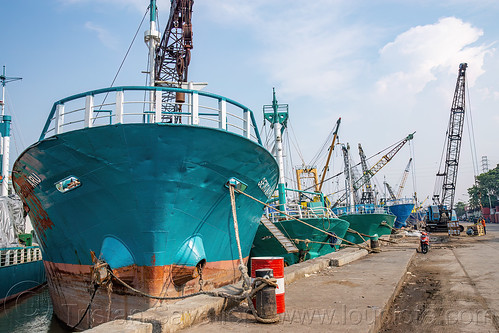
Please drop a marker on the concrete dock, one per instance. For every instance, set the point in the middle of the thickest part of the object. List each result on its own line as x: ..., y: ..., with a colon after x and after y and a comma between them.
x: 396, y: 290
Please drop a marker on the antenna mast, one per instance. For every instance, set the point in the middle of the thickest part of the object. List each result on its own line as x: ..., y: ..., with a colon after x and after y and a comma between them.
x: 5, y: 139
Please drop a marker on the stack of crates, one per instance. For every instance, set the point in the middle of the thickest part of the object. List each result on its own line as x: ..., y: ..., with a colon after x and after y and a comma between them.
x: 453, y: 228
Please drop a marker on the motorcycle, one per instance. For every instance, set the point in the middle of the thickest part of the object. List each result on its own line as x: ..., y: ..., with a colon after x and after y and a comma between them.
x: 425, y: 242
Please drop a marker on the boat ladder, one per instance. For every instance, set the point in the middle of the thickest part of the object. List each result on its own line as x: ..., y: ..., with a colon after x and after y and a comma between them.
x: 285, y: 242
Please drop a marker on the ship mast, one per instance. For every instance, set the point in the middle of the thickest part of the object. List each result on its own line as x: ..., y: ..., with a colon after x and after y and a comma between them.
x: 277, y: 115
x: 5, y: 139
x: 151, y: 38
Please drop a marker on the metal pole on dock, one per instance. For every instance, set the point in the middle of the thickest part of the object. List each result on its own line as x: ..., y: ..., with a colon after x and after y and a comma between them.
x: 5, y: 139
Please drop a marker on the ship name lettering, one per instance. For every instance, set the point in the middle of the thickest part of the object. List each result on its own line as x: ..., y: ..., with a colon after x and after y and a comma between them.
x: 265, y: 187
x: 34, y: 180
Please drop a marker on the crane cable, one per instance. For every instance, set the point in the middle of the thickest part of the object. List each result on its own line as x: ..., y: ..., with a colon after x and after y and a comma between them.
x: 124, y: 58
x: 471, y: 133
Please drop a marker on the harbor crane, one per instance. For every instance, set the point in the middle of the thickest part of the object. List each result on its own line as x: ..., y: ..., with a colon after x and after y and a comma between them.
x: 440, y: 213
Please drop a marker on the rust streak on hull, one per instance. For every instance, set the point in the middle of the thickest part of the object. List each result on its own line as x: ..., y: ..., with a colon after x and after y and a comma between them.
x: 71, y: 288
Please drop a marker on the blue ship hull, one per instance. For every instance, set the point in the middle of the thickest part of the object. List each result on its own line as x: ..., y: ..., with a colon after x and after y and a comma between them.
x: 402, y: 211
x: 151, y: 201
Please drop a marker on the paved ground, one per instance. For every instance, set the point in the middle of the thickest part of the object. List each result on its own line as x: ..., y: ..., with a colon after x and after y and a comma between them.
x: 454, y: 288
x: 344, y: 299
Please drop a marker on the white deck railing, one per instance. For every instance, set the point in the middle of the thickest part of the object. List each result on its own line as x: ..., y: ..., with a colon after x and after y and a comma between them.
x: 19, y: 255
x: 137, y: 104
x: 299, y: 212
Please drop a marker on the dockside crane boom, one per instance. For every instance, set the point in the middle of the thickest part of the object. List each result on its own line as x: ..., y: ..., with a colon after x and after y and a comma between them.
x: 443, y: 197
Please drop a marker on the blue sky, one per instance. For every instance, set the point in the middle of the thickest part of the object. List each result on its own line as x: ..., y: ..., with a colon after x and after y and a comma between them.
x: 388, y: 68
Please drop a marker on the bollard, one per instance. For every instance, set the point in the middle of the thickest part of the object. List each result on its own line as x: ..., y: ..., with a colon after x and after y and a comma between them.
x: 266, y: 306
x: 277, y: 266
x: 374, y: 242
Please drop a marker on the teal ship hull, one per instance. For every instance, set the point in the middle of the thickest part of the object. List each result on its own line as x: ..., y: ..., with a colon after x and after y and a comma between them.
x: 151, y: 201
x: 366, y: 222
x: 21, y: 270
x: 310, y: 242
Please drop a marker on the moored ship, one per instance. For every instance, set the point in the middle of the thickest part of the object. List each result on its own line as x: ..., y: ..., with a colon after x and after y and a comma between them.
x: 21, y: 266
x: 138, y: 188
x: 298, y: 225
x: 366, y: 221
x: 402, y: 209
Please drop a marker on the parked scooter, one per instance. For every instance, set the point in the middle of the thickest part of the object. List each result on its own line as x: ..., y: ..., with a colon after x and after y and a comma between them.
x: 425, y: 242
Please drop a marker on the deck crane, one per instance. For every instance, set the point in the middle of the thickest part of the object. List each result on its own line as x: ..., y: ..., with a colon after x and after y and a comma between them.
x: 402, y: 183
x: 326, y: 167
x: 351, y: 198
x: 173, y: 55
x: 311, y: 172
x: 390, y: 191
x: 443, y: 198
x: 368, y: 194
x: 404, y: 179
x: 376, y: 167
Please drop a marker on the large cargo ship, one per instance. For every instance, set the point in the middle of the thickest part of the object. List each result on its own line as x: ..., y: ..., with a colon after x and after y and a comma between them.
x: 127, y: 180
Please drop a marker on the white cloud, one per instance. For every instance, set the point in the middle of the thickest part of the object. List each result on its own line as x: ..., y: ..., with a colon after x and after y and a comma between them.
x: 417, y: 55
x: 103, y: 35
x: 303, y: 47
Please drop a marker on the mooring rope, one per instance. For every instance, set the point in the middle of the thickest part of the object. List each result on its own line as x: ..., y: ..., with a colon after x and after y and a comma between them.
x: 294, y: 218
x: 242, y: 267
x: 244, y: 270
x: 247, y: 293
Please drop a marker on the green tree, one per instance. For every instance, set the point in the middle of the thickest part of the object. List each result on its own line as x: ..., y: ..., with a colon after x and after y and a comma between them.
x: 459, y: 208
x: 485, y: 189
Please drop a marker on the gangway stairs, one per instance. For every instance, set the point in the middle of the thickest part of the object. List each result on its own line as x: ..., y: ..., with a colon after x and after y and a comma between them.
x: 288, y: 245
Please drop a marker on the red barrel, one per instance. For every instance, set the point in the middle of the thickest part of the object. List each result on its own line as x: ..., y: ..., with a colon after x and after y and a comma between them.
x: 277, y: 265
